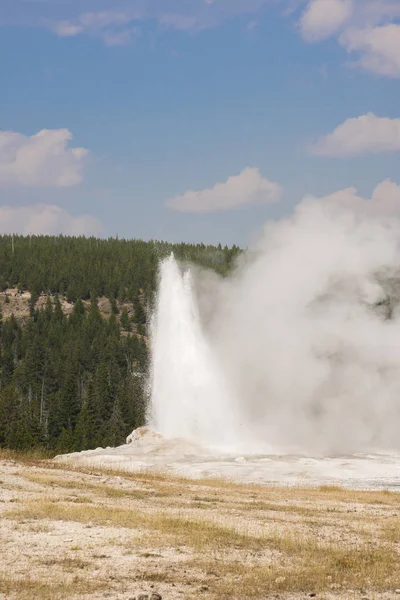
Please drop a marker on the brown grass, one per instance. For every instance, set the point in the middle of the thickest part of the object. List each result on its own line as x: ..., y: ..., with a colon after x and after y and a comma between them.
x: 310, y: 561
x: 26, y: 456
x: 106, y: 490
x: 66, y: 563
x: 220, y: 486
x: 57, y: 588
x: 185, y: 531
x: 314, y: 570
x: 391, y: 530
x: 240, y: 541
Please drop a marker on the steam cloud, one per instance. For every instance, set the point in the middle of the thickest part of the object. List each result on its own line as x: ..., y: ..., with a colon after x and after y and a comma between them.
x: 295, y: 351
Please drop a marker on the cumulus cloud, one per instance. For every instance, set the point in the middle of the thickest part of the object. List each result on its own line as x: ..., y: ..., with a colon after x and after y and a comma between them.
x: 323, y: 18
x: 43, y: 159
x: 360, y: 135
x: 46, y: 219
x: 368, y: 29
x: 378, y: 48
x: 249, y: 187
x: 385, y: 199
x: 377, y: 10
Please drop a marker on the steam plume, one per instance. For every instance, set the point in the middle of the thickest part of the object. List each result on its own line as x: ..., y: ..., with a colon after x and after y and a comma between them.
x: 295, y: 351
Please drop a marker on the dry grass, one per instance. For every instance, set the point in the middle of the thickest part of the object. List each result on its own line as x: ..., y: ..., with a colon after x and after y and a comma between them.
x: 220, y: 486
x: 310, y: 561
x: 106, y: 490
x: 57, y: 588
x: 313, y: 570
x: 239, y: 541
x: 67, y: 563
x: 391, y: 530
x: 200, y: 535
x: 26, y: 456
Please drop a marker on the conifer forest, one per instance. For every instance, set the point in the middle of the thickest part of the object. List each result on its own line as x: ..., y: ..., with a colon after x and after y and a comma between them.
x: 74, y: 348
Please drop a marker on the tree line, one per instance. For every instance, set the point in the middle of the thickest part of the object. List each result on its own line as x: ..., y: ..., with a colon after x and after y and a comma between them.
x: 80, y: 267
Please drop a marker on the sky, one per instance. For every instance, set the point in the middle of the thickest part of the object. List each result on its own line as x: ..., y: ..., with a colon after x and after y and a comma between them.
x: 194, y: 120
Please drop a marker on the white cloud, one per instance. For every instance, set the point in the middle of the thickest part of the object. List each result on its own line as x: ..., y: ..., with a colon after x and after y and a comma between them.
x: 323, y: 18
x: 120, y: 28
x: 378, y: 47
x: 43, y: 159
x: 361, y: 135
x: 240, y: 190
x: 114, y: 28
x: 98, y: 20
x: 120, y: 38
x: 375, y: 12
x: 177, y: 21
x: 67, y: 18
x: 385, y: 199
x: 66, y: 29
x: 46, y: 219
x: 367, y: 28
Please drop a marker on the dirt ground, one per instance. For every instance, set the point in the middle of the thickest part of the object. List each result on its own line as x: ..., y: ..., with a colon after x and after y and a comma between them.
x: 18, y: 305
x: 77, y: 533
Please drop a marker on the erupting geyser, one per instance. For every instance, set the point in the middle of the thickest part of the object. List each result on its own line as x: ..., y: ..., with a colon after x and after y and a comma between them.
x: 190, y: 398
x: 301, y: 350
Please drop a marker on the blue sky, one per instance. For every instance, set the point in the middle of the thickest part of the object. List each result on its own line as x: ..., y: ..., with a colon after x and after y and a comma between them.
x: 193, y: 120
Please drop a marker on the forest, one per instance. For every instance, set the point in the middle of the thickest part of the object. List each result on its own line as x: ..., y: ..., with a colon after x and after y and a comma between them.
x: 76, y: 380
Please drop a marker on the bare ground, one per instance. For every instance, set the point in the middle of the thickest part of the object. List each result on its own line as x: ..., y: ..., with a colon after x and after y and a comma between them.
x: 13, y: 303
x: 77, y: 533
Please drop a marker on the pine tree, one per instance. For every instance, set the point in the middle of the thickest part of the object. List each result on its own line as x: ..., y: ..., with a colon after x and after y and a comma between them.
x: 103, y: 393
x: 83, y: 437
x: 139, y: 312
x: 126, y: 325
x: 8, y: 413
x: 68, y: 398
x: 78, y: 313
x: 114, y: 307
x: 116, y: 427
x: 49, y: 308
x: 65, y: 442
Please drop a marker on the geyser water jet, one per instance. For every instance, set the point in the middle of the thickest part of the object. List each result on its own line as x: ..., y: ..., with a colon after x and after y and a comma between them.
x: 296, y: 353
x: 189, y: 397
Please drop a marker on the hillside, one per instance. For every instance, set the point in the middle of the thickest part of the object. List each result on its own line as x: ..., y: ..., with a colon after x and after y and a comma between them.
x: 90, y: 267
x: 73, y: 337
x: 19, y: 304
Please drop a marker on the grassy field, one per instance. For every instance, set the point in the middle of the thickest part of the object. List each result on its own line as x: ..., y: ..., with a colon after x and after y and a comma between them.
x: 75, y: 533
